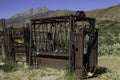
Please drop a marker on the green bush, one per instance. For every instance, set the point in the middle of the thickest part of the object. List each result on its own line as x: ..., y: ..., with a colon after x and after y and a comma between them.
x: 106, y: 49
x: 8, y: 67
x: 72, y: 76
x: 109, y: 39
x: 69, y: 76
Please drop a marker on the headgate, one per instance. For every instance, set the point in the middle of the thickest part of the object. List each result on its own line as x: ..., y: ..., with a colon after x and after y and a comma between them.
x: 61, y: 41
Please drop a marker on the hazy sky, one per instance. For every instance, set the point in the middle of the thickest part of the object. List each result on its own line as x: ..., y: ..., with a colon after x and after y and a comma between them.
x: 9, y: 7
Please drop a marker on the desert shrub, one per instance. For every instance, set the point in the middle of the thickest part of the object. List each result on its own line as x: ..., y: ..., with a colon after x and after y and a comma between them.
x: 109, y: 40
x: 106, y: 49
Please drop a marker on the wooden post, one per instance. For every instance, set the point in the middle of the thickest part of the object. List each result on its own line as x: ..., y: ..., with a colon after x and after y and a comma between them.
x: 13, y: 54
x: 5, y: 43
x: 3, y: 50
x: 26, y: 41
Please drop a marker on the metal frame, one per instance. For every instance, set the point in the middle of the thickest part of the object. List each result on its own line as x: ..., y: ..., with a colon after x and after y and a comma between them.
x: 75, y: 60
x: 57, y: 42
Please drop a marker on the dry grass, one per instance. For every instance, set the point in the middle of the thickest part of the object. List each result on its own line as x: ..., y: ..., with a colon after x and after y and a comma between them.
x: 33, y: 74
x: 109, y: 69
x: 111, y: 66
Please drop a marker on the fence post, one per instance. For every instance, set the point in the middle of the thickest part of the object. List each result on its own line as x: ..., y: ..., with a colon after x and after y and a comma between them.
x: 5, y: 42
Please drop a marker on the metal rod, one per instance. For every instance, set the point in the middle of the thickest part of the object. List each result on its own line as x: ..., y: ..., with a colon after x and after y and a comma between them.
x: 71, y: 44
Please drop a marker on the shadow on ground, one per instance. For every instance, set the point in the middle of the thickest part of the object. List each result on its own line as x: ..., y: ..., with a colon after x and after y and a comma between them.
x: 102, y: 70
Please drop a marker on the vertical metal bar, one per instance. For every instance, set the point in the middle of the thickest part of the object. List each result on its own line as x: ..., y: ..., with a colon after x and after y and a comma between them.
x: 30, y: 46
x: 88, y: 53
x: 52, y: 41
x: 71, y: 44
x: 26, y: 39
x: 23, y: 31
x: 66, y: 40
x: 47, y: 40
x: 46, y: 37
x: 42, y: 39
x: 96, y: 46
x: 35, y: 36
x: 60, y: 38
x: 39, y: 42
x: 12, y: 45
x: 25, y: 42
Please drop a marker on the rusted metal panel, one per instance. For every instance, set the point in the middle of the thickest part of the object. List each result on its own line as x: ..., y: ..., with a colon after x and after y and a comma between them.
x: 53, y: 63
x: 79, y: 56
x: 94, y: 50
x: 79, y: 50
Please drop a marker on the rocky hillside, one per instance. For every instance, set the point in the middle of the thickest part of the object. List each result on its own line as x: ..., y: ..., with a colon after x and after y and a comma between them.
x: 111, y: 13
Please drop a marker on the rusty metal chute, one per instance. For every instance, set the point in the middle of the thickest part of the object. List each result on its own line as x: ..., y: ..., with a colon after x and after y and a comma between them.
x: 62, y: 40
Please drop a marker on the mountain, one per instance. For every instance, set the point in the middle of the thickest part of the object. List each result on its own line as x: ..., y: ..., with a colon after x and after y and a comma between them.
x: 20, y: 17
x: 31, y: 12
x: 110, y: 14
